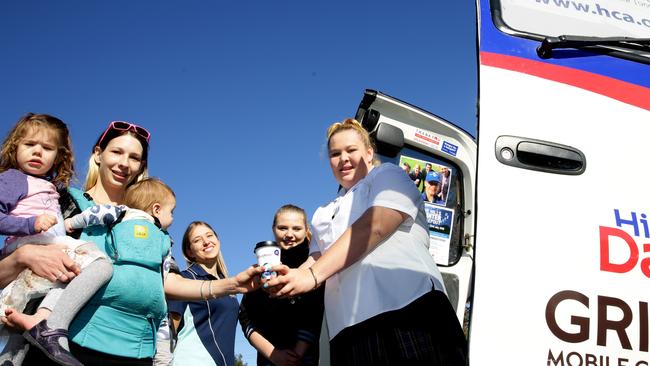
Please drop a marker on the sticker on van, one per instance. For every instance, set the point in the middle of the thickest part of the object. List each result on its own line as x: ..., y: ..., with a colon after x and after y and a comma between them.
x: 427, y: 138
x: 449, y: 148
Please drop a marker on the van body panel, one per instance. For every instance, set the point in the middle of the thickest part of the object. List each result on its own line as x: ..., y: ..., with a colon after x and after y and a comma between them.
x: 560, y: 258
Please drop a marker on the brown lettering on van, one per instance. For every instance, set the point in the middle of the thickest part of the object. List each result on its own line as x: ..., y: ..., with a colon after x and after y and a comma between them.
x: 643, y: 326
x: 619, y: 326
x: 582, y: 322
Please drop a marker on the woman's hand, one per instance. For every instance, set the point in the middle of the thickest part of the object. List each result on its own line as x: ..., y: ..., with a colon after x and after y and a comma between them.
x: 248, y: 280
x: 284, y: 357
x: 290, y: 282
x: 301, y: 348
x: 48, y: 261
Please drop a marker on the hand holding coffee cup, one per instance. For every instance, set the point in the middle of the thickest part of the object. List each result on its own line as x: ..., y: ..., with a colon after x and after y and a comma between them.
x: 268, y: 255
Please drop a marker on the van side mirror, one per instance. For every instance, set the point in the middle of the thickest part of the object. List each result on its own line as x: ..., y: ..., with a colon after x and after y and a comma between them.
x: 389, y: 140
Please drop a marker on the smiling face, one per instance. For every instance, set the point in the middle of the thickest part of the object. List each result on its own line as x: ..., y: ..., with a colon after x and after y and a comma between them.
x: 289, y: 229
x: 431, y: 187
x: 350, y: 159
x: 120, y: 162
x: 204, y: 245
x: 37, y: 151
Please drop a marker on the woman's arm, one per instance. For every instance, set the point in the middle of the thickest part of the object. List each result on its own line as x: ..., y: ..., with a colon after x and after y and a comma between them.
x: 261, y: 344
x: 375, y: 225
x: 301, y: 348
x: 279, y: 357
x: 48, y: 261
x: 176, y: 321
x: 179, y: 288
x: 10, y: 267
x: 253, y: 309
x: 309, y: 319
x: 311, y: 259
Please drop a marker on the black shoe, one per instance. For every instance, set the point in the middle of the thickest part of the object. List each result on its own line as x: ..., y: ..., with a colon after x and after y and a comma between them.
x: 47, y: 340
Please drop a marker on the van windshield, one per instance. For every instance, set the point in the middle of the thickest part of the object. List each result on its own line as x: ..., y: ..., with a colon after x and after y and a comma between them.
x: 539, y: 19
x: 594, y: 18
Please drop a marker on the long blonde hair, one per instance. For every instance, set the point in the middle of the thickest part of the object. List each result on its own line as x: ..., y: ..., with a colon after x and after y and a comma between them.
x: 354, y: 125
x: 187, y: 251
x: 102, y: 142
x: 63, y: 168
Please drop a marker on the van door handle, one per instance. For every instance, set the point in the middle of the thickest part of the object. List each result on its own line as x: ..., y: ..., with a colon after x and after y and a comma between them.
x: 544, y: 156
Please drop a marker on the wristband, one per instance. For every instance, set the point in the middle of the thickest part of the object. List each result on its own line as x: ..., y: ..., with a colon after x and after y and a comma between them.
x: 314, y: 276
x: 210, y: 290
x: 201, y: 290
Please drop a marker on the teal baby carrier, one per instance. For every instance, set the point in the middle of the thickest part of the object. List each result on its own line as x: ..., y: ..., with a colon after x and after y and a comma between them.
x: 123, y: 317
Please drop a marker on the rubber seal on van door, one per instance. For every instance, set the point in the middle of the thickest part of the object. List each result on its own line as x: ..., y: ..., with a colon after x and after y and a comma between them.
x: 543, y: 156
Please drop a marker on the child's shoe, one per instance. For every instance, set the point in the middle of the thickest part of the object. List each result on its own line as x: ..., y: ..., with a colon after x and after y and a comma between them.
x: 47, y: 340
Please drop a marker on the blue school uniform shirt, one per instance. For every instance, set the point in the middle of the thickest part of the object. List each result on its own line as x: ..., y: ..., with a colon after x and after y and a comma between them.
x: 208, y: 333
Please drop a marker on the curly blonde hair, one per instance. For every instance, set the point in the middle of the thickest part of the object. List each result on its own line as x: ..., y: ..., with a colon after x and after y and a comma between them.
x: 63, y: 168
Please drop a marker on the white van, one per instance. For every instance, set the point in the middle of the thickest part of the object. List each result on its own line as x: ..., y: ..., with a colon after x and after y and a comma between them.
x: 543, y: 232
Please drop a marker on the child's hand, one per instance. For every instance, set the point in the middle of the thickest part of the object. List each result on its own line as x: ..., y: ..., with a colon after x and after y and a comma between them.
x: 68, y: 225
x: 44, y: 222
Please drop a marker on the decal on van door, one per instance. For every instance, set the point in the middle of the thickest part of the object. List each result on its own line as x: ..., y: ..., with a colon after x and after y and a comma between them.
x: 449, y: 148
x: 427, y: 138
x: 433, y: 141
x: 440, y: 222
x: 432, y: 179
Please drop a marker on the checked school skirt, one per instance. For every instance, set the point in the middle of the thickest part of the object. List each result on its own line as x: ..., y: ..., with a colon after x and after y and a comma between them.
x: 424, y: 332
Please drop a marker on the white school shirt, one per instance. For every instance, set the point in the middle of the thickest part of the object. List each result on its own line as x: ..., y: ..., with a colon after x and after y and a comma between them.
x: 397, y: 272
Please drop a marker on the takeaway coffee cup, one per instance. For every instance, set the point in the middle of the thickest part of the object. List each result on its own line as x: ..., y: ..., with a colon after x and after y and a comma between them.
x: 268, y: 255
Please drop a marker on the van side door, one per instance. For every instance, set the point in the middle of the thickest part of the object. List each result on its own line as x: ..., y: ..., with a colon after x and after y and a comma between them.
x: 440, y: 158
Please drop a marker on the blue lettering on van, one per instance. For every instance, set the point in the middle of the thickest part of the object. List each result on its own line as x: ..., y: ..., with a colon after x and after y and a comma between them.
x: 450, y: 149
x: 634, y: 221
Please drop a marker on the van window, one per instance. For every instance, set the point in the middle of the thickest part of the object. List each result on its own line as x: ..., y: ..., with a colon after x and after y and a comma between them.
x: 601, y: 18
x: 438, y: 183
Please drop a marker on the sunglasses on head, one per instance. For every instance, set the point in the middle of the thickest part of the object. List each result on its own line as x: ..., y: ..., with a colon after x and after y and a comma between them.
x: 126, y: 126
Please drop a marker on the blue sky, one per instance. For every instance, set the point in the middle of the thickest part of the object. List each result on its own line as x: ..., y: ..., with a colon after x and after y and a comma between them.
x: 237, y: 94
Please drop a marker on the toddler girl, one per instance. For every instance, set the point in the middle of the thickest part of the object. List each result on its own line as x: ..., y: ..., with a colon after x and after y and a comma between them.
x: 36, y: 159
